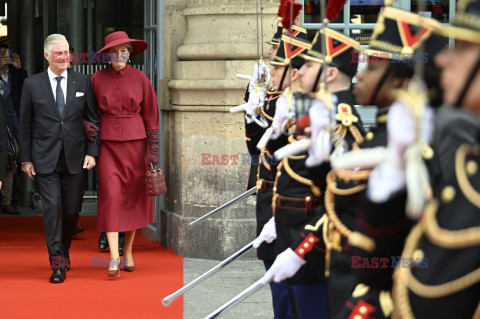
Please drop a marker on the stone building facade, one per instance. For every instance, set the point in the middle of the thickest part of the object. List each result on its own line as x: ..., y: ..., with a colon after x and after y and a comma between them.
x: 206, y: 43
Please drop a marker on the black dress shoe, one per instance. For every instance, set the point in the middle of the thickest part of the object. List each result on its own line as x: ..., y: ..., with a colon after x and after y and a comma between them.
x: 66, y: 261
x: 78, y: 230
x: 58, y: 276
x: 103, y: 241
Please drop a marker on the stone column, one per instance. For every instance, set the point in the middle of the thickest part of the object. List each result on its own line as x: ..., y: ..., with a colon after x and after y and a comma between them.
x: 219, y: 40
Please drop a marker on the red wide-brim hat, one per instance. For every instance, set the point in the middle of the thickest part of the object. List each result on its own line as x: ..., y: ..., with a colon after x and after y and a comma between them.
x: 120, y: 37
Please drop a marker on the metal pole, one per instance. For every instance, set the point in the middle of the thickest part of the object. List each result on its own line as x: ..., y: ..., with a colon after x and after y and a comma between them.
x: 160, y: 69
x: 168, y: 299
x: 216, y: 210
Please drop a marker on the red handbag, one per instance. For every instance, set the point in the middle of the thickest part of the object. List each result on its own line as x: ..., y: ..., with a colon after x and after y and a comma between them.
x: 155, y: 182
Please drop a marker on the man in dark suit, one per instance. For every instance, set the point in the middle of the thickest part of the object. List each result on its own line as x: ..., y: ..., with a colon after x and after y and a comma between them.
x: 53, y: 146
x: 3, y: 148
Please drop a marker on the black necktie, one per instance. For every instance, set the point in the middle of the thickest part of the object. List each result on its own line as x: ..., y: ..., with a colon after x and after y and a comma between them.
x: 60, y: 97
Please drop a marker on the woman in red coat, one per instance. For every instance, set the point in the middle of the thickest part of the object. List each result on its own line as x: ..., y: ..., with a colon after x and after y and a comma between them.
x: 129, y: 134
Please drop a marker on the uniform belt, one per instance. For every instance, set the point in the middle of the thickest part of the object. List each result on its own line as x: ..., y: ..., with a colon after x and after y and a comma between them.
x: 308, y: 203
x: 265, y: 185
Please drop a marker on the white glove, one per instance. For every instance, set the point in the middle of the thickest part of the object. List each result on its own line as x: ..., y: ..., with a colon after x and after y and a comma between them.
x: 268, y: 234
x: 390, y: 176
x: 285, y: 266
x: 401, y: 130
x: 259, y: 70
x: 255, y: 100
x: 320, y: 146
x: 282, y: 113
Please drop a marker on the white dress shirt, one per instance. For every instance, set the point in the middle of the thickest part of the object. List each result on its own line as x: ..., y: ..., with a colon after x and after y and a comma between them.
x: 63, y: 83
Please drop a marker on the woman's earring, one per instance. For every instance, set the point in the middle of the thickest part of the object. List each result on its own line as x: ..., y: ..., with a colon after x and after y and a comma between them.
x: 129, y: 60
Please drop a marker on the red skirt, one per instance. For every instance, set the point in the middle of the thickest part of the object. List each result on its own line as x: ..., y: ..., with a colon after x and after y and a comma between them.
x: 122, y: 203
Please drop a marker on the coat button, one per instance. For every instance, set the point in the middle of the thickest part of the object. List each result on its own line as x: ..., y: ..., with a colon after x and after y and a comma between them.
x: 448, y: 194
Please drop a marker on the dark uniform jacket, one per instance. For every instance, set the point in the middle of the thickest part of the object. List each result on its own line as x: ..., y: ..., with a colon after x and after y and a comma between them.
x: 303, y: 187
x: 262, y: 174
x: 440, y: 275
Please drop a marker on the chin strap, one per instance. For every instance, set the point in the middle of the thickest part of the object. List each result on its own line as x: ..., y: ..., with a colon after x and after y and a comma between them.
x: 283, y: 77
x: 468, y: 84
x: 380, y: 83
x: 317, y: 79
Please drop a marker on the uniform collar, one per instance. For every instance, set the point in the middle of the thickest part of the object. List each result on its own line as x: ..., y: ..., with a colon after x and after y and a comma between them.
x: 120, y: 73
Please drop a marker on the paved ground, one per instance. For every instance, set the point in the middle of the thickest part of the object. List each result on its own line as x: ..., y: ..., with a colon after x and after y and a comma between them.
x: 212, y: 293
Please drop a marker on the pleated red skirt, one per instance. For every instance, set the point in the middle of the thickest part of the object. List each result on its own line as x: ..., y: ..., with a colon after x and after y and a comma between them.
x: 122, y: 203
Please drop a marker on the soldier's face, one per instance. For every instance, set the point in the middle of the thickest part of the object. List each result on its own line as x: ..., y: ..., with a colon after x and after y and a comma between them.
x: 273, y: 51
x: 276, y: 76
x: 308, y: 75
x: 368, y: 79
x: 456, y: 65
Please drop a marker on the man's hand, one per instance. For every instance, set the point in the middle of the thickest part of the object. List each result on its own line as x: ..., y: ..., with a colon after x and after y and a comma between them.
x: 0, y: 185
x: 285, y: 266
x: 27, y: 168
x: 268, y: 234
x: 16, y: 61
x: 89, y: 162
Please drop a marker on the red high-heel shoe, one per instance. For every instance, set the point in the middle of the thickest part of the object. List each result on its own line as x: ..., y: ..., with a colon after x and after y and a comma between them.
x: 127, y: 268
x: 114, y: 273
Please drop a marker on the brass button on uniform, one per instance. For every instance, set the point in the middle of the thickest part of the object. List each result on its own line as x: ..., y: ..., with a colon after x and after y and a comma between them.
x: 311, y: 240
x: 363, y: 310
x: 357, y: 317
x: 427, y: 152
x: 448, y: 194
x: 306, y: 245
x: 369, y: 136
x: 418, y: 254
x: 308, y: 198
x: 472, y: 168
x: 279, y: 174
x: 301, y: 251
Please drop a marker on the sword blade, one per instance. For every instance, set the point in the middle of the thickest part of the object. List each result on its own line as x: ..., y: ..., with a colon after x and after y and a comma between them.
x: 244, y: 294
x: 168, y: 299
x: 216, y: 210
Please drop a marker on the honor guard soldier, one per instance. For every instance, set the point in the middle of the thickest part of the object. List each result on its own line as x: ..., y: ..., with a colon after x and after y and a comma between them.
x: 263, y: 167
x: 443, y: 249
x: 380, y: 226
x: 338, y: 75
x: 299, y: 189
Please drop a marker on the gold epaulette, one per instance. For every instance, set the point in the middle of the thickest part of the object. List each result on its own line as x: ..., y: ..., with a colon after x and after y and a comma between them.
x: 346, y: 121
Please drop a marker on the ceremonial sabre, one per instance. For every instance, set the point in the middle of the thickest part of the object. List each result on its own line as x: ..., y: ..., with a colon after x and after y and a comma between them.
x: 244, y: 294
x: 249, y: 192
x: 168, y: 299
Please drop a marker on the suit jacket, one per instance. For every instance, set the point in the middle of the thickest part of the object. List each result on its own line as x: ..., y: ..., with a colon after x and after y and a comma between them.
x: 43, y: 131
x: 3, y: 146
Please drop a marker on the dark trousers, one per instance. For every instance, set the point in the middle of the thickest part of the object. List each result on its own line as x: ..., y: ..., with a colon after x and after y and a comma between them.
x: 62, y: 195
x: 282, y: 299
x: 311, y: 301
